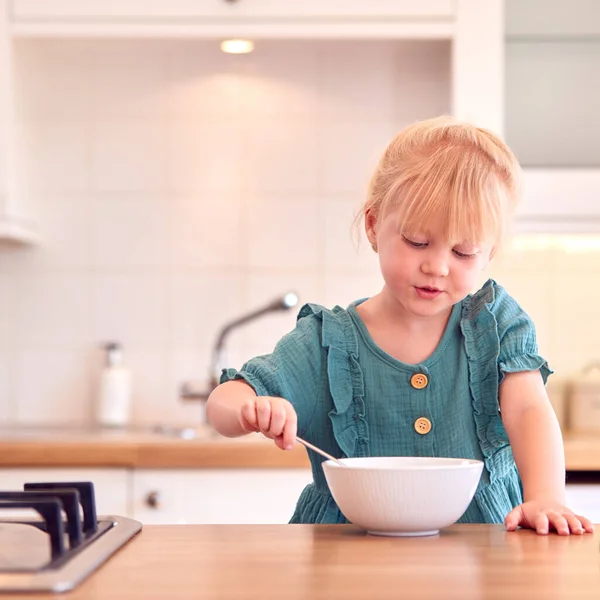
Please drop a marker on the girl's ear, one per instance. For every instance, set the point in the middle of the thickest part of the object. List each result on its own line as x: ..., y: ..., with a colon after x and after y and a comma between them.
x: 371, y: 227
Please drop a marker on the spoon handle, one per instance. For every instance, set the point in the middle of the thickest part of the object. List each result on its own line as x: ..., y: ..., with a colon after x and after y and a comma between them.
x: 319, y: 451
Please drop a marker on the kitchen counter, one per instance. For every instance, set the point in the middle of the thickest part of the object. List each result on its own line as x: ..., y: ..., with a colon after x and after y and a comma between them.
x: 138, y: 448
x: 148, y: 449
x: 340, y: 561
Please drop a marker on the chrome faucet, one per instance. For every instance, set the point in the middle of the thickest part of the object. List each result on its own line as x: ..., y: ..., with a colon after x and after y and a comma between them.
x: 219, y: 358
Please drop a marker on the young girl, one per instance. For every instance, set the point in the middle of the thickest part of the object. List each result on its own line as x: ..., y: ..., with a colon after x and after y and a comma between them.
x: 424, y: 367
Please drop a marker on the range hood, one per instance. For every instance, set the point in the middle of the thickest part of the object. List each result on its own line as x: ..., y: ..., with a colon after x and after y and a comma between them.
x: 15, y: 231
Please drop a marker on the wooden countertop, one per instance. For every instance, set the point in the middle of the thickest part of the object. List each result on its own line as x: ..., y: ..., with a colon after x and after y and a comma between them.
x: 339, y: 561
x: 72, y: 448
x: 55, y: 448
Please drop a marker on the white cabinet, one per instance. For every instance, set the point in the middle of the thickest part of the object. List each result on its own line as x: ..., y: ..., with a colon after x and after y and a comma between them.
x: 229, y: 9
x: 560, y: 200
x: 16, y: 226
x: 267, y: 18
x: 111, y: 486
x: 584, y: 499
x: 552, y: 91
x: 217, y: 496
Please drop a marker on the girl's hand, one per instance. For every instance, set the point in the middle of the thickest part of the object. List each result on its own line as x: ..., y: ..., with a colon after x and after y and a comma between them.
x: 542, y: 515
x: 274, y: 417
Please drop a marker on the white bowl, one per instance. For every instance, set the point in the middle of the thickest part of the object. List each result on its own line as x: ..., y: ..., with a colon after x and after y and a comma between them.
x: 403, y: 496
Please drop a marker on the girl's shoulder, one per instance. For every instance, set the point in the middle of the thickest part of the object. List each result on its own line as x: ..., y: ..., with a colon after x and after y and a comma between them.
x: 335, y: 326
x: 493, y: 299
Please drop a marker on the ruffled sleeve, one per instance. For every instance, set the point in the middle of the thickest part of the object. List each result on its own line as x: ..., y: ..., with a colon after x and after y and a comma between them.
x: 295, y: 370
x: 516, y: 332
x: 499, y: 338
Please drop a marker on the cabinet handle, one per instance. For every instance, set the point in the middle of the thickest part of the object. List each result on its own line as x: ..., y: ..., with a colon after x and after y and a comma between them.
x: 153, y: 500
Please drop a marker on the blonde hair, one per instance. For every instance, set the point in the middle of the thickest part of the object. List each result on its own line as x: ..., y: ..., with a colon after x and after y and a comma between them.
x: 463, y: 177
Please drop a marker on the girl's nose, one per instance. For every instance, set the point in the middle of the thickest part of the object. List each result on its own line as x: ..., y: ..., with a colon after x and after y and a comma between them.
x: 435, y: 265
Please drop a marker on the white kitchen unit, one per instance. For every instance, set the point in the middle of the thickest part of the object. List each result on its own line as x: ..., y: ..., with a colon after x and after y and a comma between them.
x: 584, y: 499
x: 552, y: 99
x: 217, y: 495
x: 263, y: 18
x: 111, y: 486
x: 16, y: 226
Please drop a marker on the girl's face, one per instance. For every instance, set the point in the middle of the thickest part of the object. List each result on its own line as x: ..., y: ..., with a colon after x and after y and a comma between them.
x: 422, y: 272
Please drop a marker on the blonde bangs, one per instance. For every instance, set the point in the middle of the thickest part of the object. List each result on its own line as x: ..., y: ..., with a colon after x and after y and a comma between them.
x: 465, y: 203
x: 461, y: 179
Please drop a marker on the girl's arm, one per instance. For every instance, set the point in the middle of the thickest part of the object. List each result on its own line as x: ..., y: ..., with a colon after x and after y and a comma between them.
x: 234, y: 409
x: 536, y: 441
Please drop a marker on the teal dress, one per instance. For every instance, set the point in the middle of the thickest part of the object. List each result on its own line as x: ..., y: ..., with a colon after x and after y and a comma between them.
x: 353, y: 399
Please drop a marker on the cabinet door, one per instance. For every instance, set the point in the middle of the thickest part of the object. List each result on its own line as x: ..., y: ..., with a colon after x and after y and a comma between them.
x: 554, y: 18
x: 236, y: 496
x: 110, y: 485
x: 552, y: 99
x: 562, y: 200
x: 584, y: 499
x: 224, y: 9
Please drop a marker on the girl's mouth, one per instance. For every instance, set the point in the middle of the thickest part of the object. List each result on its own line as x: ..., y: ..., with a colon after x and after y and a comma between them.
x: 428, y: 293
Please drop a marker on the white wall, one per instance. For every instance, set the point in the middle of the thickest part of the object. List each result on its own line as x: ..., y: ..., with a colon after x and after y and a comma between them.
x: 179, y: 187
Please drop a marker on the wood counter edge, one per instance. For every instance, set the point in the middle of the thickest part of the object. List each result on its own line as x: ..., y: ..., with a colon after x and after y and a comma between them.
x: 582, y: 453
x: 168, y: 455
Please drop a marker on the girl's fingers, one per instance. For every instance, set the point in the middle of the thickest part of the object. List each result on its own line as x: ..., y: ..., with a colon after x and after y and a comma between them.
x: 249, y: 419
x: 513, y: 519
x: 542, y: 524
x: 558, y: 521
x: 574, y: 524
x: 291, y: 427
x: 263, y: 412
x: 278, y: 419
x: 588, y: 526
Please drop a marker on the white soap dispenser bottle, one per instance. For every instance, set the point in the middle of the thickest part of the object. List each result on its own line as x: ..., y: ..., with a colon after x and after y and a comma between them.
x: 114, y: 397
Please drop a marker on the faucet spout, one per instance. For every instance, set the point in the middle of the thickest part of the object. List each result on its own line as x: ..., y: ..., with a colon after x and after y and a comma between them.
x: 219, y: 357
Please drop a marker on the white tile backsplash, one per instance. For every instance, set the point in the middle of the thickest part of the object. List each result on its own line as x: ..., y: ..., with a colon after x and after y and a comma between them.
x: 280, y: 81
x: 50, y: 308
x: 260, y: 336
x: 132, y: 307
x: 151, y: 398
x: 53, y: 156
x: 351, y: 151
x: 52, y: 81
x: 129, y: 156
x: 280, y: 155
x: 200, y: 304
x: 283, y: 234
x: 129, y: 82
x: 6, y: 400
x: 178, y: 188
x: 203, y: 82
x: 346, y: 246
x: 130, y: 230
x: 207, y: 230
x: 357, y: 80
x: 342, y: 289
x: 52, y: 385
x: 205, y: 156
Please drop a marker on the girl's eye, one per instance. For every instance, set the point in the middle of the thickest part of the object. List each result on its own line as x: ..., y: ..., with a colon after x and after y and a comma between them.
x: 463, y: 254
x: 415, y: 244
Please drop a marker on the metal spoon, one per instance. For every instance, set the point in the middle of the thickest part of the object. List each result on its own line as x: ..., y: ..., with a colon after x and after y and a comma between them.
x: 321, y: 452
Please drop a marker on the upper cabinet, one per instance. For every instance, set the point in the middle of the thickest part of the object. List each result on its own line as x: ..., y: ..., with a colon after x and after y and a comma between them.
x: 16, y: 226
x: 553, y: 82
x: 279, y: 18
x: 552, y: 95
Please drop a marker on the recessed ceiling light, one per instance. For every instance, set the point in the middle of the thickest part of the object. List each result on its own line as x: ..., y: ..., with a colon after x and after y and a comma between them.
x: 237, y: 46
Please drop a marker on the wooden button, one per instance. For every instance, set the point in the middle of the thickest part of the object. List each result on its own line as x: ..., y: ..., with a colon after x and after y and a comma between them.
x: 422, y: 425
x: 419, y: 381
